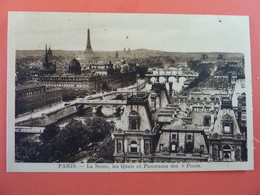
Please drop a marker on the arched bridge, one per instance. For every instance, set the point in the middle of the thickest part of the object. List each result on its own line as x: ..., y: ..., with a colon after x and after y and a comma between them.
x: 99, y: 104
x: 167, y: 76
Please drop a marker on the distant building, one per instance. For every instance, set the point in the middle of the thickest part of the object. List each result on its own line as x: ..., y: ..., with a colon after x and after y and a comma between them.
x: 120, y: 74
x: 71, y: 81
x: 239, y: 89
x: 239, y: 104
x: 31, y: 96
x: 204, y: 57
x: 49, y: 66
x: 220, y: 57
x: 159, y: 97
x: 74, y: 67
x: 116, y: 56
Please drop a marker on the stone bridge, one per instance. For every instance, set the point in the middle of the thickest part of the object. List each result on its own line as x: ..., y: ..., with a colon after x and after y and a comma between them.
x: 167, y: 76
x: 96, y: 105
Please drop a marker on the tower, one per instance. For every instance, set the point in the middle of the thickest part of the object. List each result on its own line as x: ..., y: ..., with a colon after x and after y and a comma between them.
x: 49, y: 66
x: 46, y: 61
x: 89, y: 48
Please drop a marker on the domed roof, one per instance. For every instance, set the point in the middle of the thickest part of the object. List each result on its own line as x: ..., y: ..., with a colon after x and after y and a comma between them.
x: 74, y: 67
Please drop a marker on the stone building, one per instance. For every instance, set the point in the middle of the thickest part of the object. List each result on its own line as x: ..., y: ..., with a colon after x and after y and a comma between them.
x: 49, y: 65
x: 133, y: 142
x: 31, y: 96
x: 183, y: 134
x: 120, y: 75
x: 226, y: 142
x: 179, y: 142
x: 70, y: 81
x: 74, y: 67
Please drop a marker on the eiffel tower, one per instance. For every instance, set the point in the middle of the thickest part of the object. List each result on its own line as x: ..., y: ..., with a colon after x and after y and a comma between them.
x: 89, y: 48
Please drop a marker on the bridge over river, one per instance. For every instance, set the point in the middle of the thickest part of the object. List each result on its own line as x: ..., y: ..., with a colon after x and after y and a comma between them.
x: 169, y: 75
x: 98, y: 104
x: 36, y: 122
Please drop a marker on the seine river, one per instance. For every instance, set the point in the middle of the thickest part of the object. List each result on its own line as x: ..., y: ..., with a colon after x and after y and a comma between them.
x: 109, y: 116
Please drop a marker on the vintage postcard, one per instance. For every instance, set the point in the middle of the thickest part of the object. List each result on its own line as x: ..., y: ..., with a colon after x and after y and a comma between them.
x: 103, y: 92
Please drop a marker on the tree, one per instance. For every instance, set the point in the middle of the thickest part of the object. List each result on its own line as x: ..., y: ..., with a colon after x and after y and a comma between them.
x: 107, y: 150
x: 98, y: 128
x: 203, y: 75
x: 142, y: 70
x: 49, y: 132
x: 63, y: 144
x: 22, y: 71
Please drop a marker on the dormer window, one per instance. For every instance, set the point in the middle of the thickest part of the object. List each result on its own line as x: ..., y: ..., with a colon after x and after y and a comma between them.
x: 133, y: 124
x: 119, y: 146
x: 134, y: 119
x: 227, y: 123
x: 227, y: 129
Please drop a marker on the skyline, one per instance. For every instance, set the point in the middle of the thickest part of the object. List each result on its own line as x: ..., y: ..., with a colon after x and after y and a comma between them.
x: 114, y: 32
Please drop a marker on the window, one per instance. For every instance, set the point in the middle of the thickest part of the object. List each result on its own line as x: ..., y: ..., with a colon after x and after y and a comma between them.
x: 215, y: 153
x: 133, y: 124
x: 161, y: 147
x: 201, y: 149
x: 147, y: 148
x: 238, y: 154
x: 119, y: 146
x: 207, y: 120
x: 173, y: 147
x: 133, y: 147
x: 189, y: 137
x: 134, y: 120
x: 174, y: 136
x: 189, y: 147
x: 227, y: 129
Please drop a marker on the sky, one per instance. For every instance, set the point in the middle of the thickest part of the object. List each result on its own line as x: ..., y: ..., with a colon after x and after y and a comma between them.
x: 114, y: 32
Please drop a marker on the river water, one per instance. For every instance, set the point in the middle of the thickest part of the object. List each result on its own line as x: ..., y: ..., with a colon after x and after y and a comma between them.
x: 87, y: 113
x: 109, y: 116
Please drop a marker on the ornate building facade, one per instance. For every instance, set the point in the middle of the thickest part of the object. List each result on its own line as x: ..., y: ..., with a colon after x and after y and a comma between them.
x: 133, y: 142
x: 201, y: 131
x: 226, y: 142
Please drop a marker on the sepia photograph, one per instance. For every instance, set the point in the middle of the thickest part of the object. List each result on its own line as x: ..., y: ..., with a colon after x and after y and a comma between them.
x: 100, y: 92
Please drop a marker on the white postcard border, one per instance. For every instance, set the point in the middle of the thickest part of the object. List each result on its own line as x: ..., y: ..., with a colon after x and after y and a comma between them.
x: 118, y: 167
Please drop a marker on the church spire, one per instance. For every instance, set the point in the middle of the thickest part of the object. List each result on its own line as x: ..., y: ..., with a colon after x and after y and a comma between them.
x: 46, y: 54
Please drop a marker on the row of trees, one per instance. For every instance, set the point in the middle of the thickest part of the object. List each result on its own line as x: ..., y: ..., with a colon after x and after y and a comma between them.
x: 203, y: 69
x: 63, y: 144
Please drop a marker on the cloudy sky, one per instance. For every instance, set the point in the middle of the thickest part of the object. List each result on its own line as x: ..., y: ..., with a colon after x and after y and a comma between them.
x: 181, y: 33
